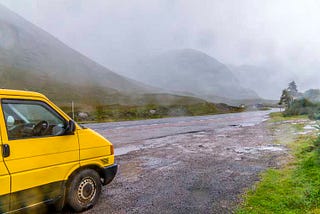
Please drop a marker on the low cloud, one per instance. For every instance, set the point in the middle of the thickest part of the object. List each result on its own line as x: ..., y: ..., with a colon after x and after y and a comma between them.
x: 282, y: 34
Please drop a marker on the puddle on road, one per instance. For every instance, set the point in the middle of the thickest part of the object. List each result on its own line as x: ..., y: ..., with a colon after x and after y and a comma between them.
x: 199, y: 134
x: 243, y: 125
x: 309, y: 127
x: 248, y: 124
x: 255, y: 150
x: 304, y: 133
x: 156, y: 163
x: 126, y: 149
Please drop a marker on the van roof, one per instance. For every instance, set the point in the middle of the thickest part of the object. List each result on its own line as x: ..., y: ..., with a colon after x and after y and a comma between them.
x: 21, y: 93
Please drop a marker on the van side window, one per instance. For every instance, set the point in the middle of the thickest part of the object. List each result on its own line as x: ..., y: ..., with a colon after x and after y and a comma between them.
x: 29, y: 119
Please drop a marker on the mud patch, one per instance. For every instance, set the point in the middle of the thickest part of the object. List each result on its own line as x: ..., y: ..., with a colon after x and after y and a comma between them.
x: 131, y: 171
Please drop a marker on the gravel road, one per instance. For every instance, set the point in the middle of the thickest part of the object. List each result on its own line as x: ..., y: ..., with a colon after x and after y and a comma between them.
x: 188, y: 164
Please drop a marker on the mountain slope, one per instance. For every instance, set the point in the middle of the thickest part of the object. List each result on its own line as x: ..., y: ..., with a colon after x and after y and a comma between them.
x: 37, y: 60
x: 193, y: 72
x: 32, y: 59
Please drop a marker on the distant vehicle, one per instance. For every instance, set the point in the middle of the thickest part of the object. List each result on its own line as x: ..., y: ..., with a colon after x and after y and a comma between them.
x: 47, y: 157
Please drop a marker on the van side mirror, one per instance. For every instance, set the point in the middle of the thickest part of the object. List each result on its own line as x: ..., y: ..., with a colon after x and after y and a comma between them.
x: 70, y: 127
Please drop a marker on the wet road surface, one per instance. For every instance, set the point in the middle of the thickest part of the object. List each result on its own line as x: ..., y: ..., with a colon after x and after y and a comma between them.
x: 188, y: 164
x: 124, y: 134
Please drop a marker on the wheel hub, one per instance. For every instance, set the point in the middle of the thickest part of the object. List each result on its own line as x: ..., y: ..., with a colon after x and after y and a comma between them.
x: 86, y: 190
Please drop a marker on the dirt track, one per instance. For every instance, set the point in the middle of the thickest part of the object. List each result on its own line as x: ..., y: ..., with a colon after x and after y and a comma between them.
x: 187, y: 165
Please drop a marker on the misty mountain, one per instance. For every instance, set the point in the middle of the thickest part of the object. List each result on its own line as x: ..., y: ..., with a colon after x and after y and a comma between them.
x: 267, y: 82
x: 313, y: 95
x: 190, y: 71
x: 32, y: 59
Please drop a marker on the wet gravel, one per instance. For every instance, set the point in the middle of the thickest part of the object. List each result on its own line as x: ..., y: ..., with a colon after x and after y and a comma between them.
x: 188, y: 165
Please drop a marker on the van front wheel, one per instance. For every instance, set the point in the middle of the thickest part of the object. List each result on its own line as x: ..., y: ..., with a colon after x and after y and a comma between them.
x: 84, y: 190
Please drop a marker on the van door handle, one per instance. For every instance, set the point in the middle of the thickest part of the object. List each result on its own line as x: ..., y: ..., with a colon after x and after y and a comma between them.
x: 5, y: 150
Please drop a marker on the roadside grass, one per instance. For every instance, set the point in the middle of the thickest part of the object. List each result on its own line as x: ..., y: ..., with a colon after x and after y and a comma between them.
x: 299, y: 127
x: 278, y: 117
x: 295, y: 188
x: 109, y: 113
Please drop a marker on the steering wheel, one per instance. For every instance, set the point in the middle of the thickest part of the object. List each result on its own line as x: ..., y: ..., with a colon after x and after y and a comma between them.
x: 41, y: 128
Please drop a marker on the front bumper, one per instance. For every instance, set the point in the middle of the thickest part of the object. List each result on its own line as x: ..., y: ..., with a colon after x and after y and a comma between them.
x: 108, y: 173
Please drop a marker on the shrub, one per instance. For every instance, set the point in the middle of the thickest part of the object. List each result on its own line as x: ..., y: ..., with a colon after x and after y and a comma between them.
x: 303, y: 107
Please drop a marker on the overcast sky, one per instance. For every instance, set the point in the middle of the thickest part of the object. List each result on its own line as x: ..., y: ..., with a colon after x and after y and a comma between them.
x: 278, y: 33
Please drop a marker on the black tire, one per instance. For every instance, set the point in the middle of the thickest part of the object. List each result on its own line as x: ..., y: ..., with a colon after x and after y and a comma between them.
x: 84, y: 190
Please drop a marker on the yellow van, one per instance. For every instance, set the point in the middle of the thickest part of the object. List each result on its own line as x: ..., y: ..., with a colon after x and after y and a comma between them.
x: 47, y: 158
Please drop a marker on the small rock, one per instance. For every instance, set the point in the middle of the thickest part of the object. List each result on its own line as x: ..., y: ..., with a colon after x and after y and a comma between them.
x: 152, y: 111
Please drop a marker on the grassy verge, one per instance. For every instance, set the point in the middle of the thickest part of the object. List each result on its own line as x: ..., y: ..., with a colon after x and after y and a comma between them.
x: 293, y: 189
x: 278, y: 117
x: 152, y: 111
